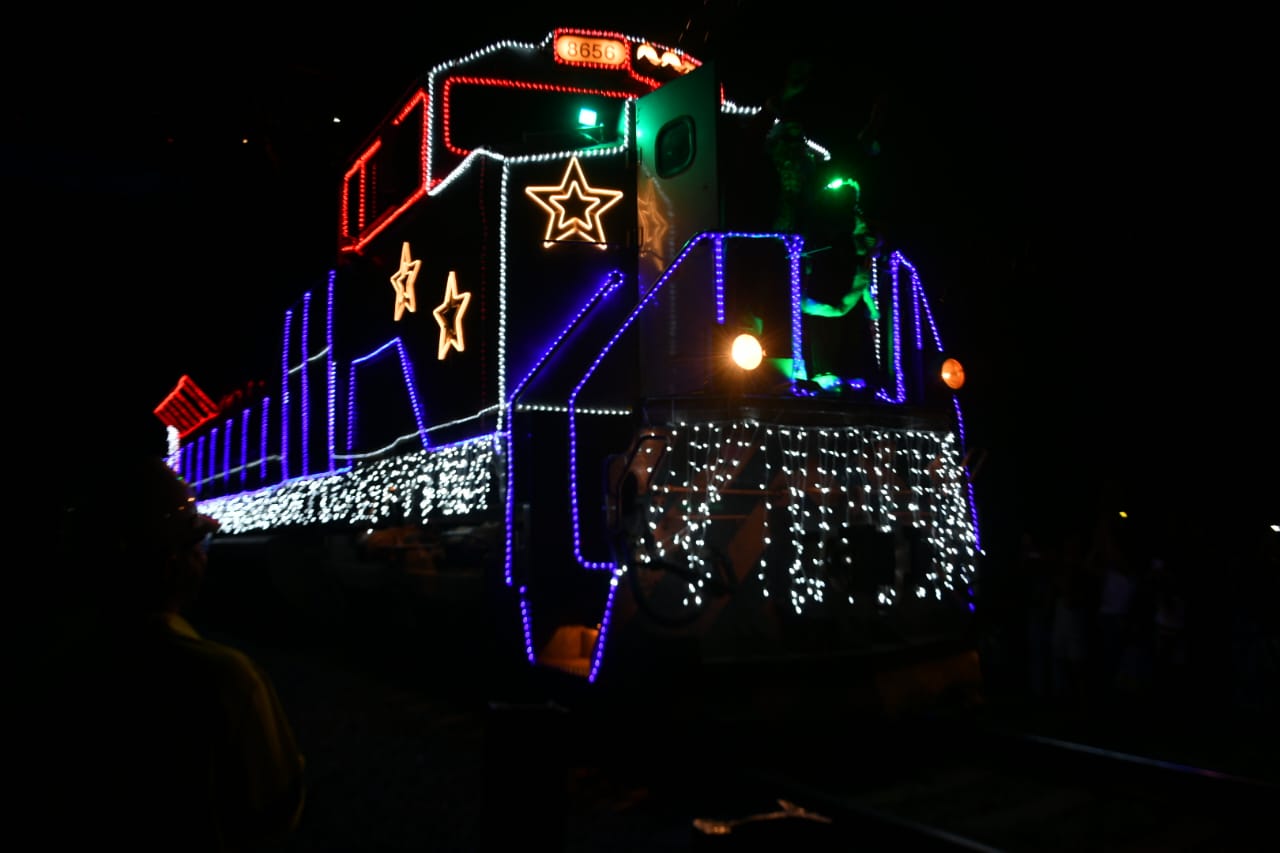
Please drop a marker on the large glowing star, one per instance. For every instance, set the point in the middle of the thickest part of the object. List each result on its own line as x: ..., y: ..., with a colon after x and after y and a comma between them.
x: 574, y: 207
x: 448, y: 316
x: 404, y: 281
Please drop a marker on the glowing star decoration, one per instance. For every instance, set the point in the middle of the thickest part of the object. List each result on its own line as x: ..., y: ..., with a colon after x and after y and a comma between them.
x: 403, y: 281
x: 448, y: 316
x: 574, y: 207
x: 654, y: 212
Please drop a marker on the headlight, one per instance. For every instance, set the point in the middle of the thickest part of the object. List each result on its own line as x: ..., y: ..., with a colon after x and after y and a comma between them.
x: 747, y: 352
x: 952, y: 374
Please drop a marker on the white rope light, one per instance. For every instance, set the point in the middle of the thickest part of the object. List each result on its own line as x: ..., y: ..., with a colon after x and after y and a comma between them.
x: 447, y: 481
x: 826, y: 481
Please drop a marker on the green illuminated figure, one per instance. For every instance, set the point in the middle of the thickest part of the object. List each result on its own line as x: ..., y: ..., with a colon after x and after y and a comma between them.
x: 838, y: 285
x: 864, y: 244
x: 840, y: 245
x: 787, y: 147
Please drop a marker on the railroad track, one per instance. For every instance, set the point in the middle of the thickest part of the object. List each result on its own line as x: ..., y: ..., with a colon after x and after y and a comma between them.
x: 657, y: 778
x: 1039, y: 795
x: 937, y: 785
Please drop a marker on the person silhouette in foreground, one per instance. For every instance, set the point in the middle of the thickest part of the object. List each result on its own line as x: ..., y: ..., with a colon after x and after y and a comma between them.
x: 180, y: 742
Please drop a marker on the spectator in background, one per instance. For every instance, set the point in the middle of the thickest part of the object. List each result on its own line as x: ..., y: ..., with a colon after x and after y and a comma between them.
x: 1109, y: 561
x: 1075, y: 597
x: 171, y: 741
x: 1036, y: 576
x: 1255, y: 626
x: 1169, y: 622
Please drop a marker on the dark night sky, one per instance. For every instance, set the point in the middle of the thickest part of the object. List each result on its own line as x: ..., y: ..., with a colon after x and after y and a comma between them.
x: 1025, y: 170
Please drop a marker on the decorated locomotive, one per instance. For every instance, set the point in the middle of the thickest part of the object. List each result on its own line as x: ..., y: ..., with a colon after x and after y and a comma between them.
x: 626, y: 354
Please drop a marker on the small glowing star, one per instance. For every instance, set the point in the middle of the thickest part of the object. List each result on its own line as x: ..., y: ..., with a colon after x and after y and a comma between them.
x: 454, y: 303
x: 403, y: 281
x: 653, y: 211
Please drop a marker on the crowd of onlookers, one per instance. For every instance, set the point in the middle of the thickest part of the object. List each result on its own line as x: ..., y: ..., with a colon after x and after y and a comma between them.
x: 1115, y: 614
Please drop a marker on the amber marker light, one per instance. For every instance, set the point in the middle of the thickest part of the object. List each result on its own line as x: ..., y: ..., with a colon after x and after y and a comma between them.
x: 953, y: 374
x: 747, y: 352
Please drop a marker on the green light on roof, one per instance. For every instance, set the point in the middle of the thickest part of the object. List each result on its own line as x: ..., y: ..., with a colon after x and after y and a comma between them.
x: 837, y: 183
x: 587, y: 117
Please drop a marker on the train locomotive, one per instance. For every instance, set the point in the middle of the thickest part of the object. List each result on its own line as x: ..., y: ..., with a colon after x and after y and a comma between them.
x: 583, y: 342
